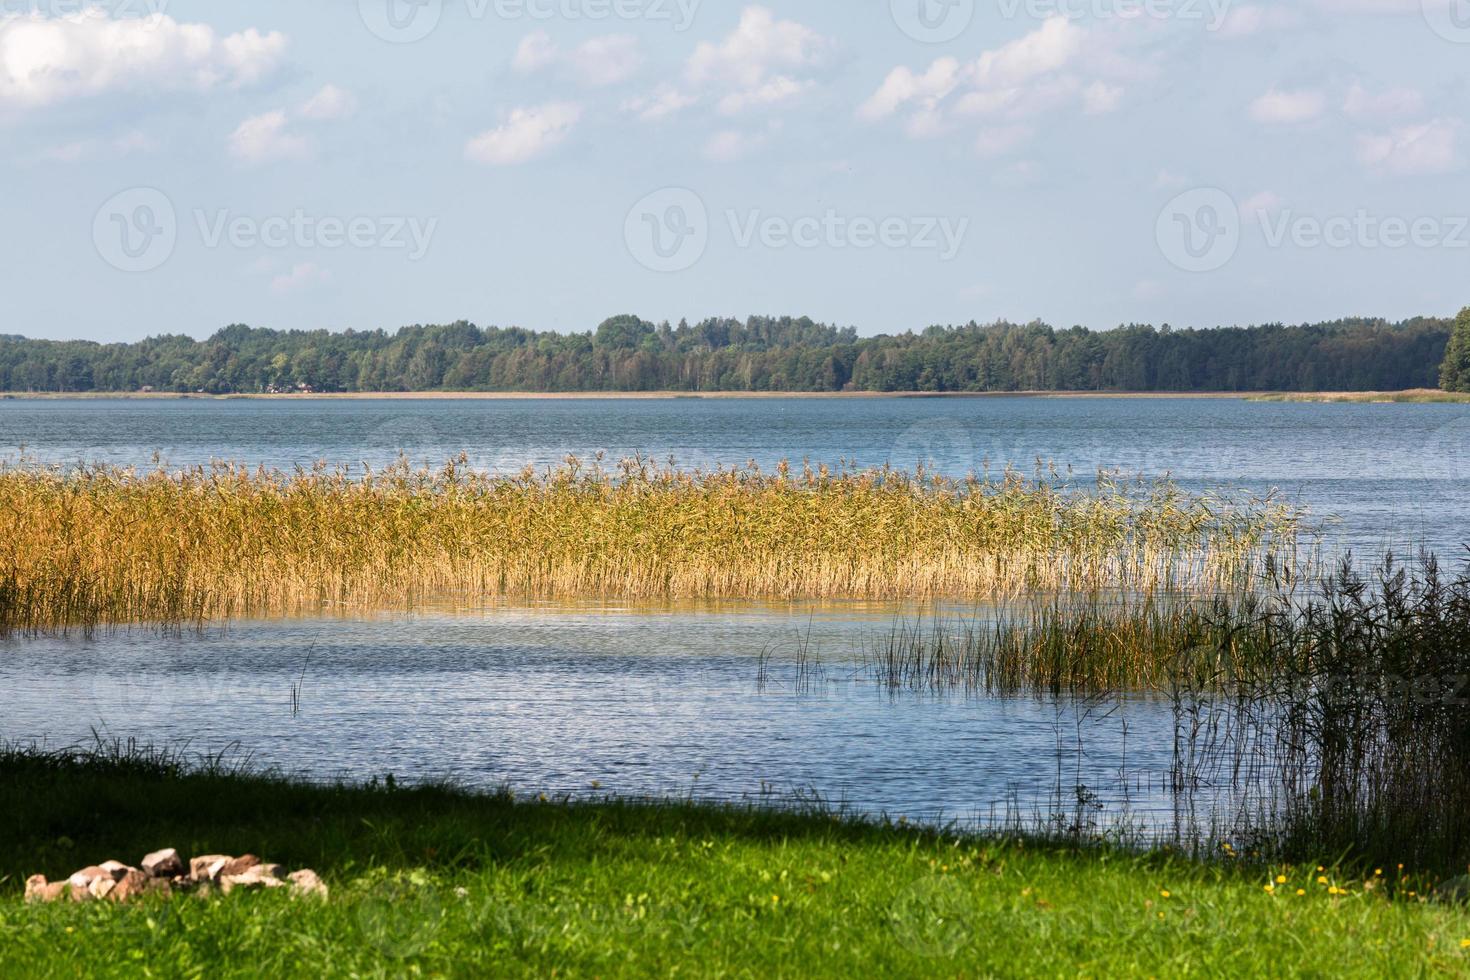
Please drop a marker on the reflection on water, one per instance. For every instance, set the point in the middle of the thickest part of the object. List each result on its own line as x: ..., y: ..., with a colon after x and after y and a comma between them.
x: 716, y: 699
x: 586, y: 701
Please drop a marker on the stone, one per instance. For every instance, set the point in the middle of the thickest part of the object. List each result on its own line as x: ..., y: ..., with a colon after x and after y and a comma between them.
x: 239, y: 865
x: 100, y: 888
x: 163, y: 864
x: 54, y: 891
x: 83, y: 878
x: 306, y: 883
x: 255, y: 876
x: 133, y: 884
x: 35, y: 888
x: 208, y: 867
x: 117, y: 869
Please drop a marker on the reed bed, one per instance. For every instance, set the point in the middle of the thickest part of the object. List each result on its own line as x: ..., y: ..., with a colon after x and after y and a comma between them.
x: 1335, y: 718
x: 1075, y: 644
x: 96, y: 545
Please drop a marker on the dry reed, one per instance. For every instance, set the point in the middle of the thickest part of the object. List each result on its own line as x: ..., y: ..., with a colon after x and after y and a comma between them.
x: 94, y: 545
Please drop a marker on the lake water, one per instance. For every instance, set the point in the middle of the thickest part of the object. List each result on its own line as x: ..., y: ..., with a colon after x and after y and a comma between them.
x: 644, y: 701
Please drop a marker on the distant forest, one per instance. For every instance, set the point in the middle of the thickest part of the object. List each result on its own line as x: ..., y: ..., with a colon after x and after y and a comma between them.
x: 626, y: 353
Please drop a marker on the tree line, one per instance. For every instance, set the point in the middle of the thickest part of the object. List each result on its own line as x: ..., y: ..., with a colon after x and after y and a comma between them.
x: 626, y: 353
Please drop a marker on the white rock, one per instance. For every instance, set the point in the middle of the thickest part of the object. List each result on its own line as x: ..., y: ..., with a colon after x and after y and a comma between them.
x: 164, y: 864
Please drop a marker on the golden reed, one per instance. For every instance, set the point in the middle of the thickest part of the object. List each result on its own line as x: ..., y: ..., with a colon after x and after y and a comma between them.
x: 91, y: 546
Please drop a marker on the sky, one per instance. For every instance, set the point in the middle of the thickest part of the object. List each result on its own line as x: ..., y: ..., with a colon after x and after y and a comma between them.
x: 174, y: 166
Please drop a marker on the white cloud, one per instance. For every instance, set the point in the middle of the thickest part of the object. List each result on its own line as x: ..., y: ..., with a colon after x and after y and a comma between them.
x: 1392, y: 103
x: 1100, y: 97
x: 1011, y: 85
x: 536, y: 51
x: 597, y: 62
x: 728, y: 145
x: 1045, y: 49
x: 780, y: 89
x: 124, y: 145
x: 664, y: 102
x: 303, y: 275
x: 265, y: 138
x: 1277, y: 106
x: 762, y: 64
x: 756, y: 65
x: 1421, y: 150
x: 760, y: 45
x: 902, y: 86
x: 48, y: 60
x: 1248, y: 21
x: 330, y: 102
x: 608, y: 60
x: 525, y: 135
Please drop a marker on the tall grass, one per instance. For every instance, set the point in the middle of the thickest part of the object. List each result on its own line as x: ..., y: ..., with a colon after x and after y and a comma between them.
x: 1335, y: 719
x: 1075, y: 644
x: 97, y: 545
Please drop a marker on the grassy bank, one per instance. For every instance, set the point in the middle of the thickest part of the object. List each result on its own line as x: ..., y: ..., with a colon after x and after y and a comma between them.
x: 97, y: 546
x: 441, y: 882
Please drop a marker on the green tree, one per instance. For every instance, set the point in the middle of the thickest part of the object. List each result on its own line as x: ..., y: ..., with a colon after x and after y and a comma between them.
x: 1454, y: 373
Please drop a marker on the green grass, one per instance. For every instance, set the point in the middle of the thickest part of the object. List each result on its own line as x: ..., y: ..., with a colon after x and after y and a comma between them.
x: 433, y: 881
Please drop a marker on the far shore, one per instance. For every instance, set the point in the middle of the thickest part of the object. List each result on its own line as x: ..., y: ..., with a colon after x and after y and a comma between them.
x: 1342, y: 396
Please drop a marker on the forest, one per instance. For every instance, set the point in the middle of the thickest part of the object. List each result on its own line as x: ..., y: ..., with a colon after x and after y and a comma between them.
x: 760, y: 353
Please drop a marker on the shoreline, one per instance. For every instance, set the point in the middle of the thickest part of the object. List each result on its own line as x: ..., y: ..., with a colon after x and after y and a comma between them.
x: 647, y: 395
x: 1408, y: 396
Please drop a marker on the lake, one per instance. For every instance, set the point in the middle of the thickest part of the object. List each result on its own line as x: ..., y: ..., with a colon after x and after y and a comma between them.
x: 715, y: 700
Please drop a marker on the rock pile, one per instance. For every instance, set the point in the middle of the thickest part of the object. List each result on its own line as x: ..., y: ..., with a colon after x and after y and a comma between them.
x: 165, y: 873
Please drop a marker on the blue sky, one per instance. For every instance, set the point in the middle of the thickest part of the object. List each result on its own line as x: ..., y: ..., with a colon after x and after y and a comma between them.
x: 178, y: 165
